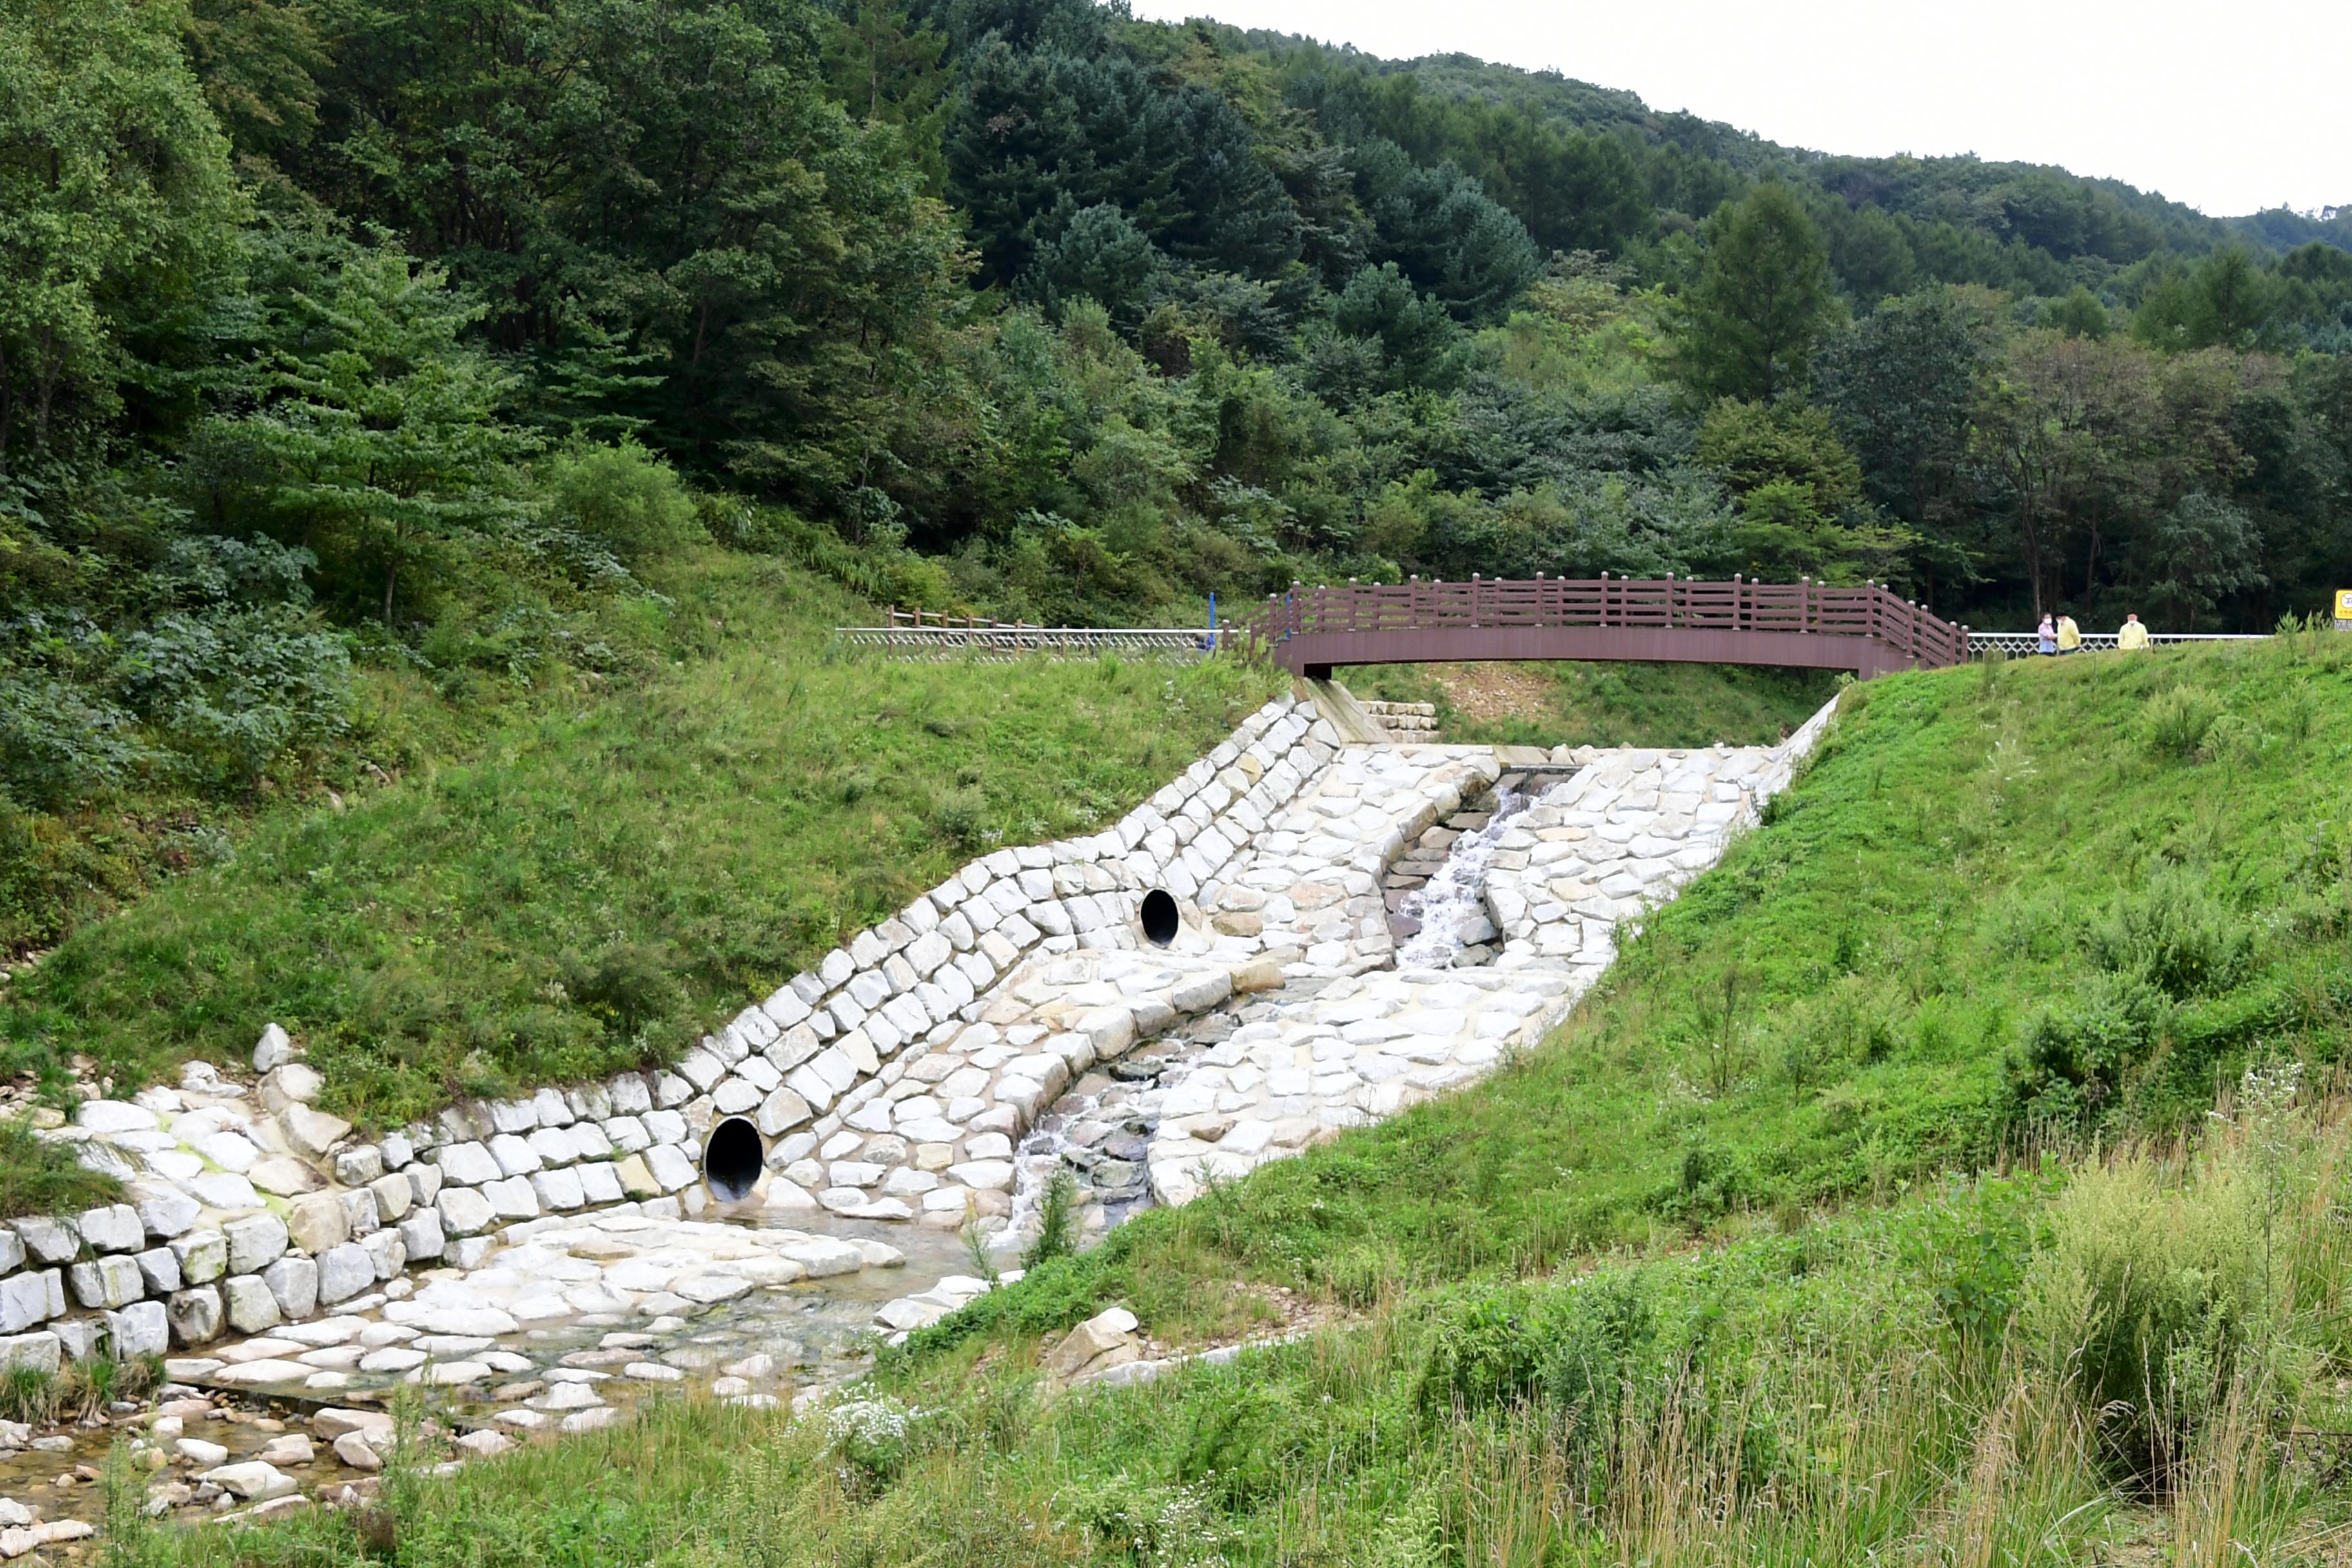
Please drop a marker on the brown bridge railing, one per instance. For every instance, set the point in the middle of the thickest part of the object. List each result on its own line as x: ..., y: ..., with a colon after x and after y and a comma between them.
x: 1868, y: 629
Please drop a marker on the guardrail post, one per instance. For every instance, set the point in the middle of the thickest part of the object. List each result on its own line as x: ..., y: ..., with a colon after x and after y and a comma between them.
x: 1474, y: 599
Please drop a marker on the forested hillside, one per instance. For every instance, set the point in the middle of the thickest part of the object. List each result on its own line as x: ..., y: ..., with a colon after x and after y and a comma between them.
x: 362, y: 361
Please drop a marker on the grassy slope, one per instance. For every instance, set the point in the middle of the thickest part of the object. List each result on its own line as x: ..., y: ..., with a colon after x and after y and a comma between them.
x: 1929, y: 1381
x: 598, y: 883
x: 1603, y: 704
x: 1917, y: 903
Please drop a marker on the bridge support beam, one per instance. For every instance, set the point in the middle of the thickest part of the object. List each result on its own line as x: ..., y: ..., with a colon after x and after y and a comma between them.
x: 1314, y: 653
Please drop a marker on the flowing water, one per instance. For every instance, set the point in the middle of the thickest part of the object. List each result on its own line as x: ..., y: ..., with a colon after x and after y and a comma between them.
x: 1101, y: 1128
x: 1457, y: 894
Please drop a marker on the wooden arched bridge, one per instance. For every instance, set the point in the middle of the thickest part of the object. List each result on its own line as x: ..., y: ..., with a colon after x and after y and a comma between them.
x: 1670, y: 620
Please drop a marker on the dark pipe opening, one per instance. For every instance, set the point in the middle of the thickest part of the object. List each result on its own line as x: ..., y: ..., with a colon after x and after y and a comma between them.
x: 1158, y: 916
x: 730, y: 1161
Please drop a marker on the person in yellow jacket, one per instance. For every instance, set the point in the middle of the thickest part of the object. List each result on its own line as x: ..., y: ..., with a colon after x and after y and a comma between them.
x: 2131, y: 635
x: 2070, y: 636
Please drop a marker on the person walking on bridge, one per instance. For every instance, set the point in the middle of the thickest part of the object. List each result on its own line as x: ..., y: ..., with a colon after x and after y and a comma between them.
x: 2070, y: 636
x: 2045, y: 636
x: 2131, y: 635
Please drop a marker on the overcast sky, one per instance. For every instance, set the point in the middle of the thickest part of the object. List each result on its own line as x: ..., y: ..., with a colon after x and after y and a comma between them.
x: 2228, y: 108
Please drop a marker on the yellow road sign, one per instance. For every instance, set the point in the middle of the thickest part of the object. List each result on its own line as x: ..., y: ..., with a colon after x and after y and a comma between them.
x: 2343, y: 604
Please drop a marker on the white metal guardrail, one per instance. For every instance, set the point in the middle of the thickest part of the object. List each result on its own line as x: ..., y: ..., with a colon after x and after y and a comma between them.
x: 2014, y: 644
x: 1001, y: 644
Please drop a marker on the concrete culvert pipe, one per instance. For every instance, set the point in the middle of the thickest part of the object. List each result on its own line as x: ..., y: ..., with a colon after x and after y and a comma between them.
x: 730, y: 1161
x: 1158, y: 916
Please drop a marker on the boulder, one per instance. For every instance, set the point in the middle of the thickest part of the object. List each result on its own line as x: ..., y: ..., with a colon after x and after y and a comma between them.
x: 353, y: 1449
x: 107, y: 1282
x: 293, y: 1281
x: 359, y: 1166
x: 254, y: 1242
x: 160, y: 1268
x: 195, y: 1315
x: 344, y: 1272
x: 273, y: 1050
x: 254, y: 1479
x: 202, y: 1255
x: 468, y: 1164
x: 1105, y: 1334
x: 164, y: 1211
x: 421, y: 1236
x: 196, y: 1450
x: 463, y: 1211
x: 289, y: 1083
x: 250, y: 1305
x: 41, y: 1351
x: 319, y: 1222
x: 283, y: 1176
x: 393, y: 1197
x: 334, y: 1422
x: 292, y: 1448
x: 386, y: 1253
x: 312, y: 1132
x: 48, y: 1239
x: 141, y: 1329
x: 114, y: 1228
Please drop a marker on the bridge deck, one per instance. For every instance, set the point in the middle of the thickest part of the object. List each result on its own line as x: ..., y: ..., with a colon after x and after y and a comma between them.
x: 1807, y: 625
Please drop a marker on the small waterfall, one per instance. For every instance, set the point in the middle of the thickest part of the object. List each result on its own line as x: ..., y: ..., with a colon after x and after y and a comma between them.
x: 1455, y: 892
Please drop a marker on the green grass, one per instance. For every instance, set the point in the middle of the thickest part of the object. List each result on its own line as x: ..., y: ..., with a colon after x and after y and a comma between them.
x: 40, y: 1177
x: 1616, y: 704
x: 599, y: 881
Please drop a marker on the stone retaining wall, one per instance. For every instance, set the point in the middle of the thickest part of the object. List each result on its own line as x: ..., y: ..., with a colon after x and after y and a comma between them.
x: 248, y: 1208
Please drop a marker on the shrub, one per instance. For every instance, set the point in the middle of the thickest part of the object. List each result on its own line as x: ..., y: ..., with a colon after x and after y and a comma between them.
x: 1057, y: 1222
x: 1601, y: 1342
x: 1487, y: 1350
x: 2174, y: 935
x: 2232, y: 739
x: 2077, y: 1053
x: 2146, y: 1299
x: 60, y: 744
x: 2174, y: 723
x: 960, y: 816
x: 1974, y: 1247
x: 236, y: 690
x: 873, y: 1439
x: 621, y: 497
